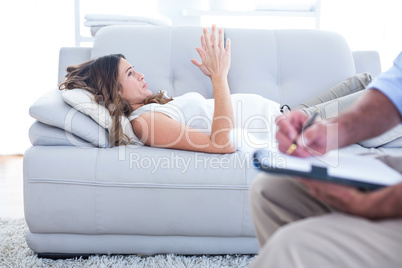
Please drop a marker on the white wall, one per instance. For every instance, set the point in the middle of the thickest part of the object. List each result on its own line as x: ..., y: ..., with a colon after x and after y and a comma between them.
x: 366, y: 25
x: 31, y: 34
x: 173, y: 10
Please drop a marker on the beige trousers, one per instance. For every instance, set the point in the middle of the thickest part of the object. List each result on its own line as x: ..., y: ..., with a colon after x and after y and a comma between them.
x: 295, y: 229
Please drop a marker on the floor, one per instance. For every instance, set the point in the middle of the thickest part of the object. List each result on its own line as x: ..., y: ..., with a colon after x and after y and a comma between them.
x: 11, y: 187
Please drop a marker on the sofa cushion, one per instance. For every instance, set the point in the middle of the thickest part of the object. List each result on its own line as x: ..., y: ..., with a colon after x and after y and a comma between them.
x: 51, y: 109
x: 348, y: 86
x: 44, y: 135
x: 331, y: 109
x: 84, y: 101
x: 339, y: 98
x: 138, y: 191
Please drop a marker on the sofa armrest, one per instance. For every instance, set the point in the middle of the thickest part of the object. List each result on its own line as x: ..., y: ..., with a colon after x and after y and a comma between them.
x: 45, y: 135
x: 69, y: 56
x: 367, y: 61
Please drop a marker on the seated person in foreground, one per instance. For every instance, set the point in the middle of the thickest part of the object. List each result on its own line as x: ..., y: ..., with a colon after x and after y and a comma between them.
x: 306, y: 223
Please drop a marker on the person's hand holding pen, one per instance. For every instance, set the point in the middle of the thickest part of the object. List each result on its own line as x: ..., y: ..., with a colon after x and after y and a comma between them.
x: 299, y: 135
x: 318, y: 139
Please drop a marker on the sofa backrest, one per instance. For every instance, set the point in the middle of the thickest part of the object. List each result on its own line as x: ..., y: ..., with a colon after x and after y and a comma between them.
x: 286, y: 66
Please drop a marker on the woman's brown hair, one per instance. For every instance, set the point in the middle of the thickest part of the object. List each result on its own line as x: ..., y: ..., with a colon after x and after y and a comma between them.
x: 100, y: 77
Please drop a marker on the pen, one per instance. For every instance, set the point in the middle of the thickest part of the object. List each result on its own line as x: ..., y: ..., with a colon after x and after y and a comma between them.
x: 308, y: 123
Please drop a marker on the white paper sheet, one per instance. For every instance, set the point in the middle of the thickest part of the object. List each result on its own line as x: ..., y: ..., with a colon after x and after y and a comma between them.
x: 340, y: 165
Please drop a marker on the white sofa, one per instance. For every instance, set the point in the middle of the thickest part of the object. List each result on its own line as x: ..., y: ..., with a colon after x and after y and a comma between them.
x: 82, y: 197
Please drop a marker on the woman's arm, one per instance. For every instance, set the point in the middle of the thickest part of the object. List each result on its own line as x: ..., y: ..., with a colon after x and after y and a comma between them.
x: 159, y: 130
x: 215, y: 64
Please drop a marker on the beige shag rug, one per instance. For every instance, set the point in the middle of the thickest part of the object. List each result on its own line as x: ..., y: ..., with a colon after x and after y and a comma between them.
x: 14, y: 252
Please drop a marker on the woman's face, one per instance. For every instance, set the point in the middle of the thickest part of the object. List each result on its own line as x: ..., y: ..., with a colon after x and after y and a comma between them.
x: 134, y: 89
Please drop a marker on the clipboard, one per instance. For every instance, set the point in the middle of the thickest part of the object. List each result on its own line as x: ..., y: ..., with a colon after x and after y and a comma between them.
x: 363, y: 172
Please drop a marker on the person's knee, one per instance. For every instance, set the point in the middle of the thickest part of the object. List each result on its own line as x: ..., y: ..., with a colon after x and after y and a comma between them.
x: 262, y: 188
x: 298, y: 243
x: 288, y: 245
x: 258, y: 186
x: 272, y: 187
x: 293, y: 235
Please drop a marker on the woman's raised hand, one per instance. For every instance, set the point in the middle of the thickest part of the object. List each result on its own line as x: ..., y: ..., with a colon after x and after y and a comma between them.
x: 214, y: 56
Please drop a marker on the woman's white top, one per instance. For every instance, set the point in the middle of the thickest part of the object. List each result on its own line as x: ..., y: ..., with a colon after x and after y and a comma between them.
x: 254, y: 117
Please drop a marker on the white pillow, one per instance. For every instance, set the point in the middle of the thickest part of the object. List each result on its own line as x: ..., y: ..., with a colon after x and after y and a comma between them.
x: 84, y: 101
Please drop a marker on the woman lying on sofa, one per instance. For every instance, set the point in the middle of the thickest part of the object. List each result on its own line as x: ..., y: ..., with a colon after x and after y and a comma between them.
x: 188, y: 122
